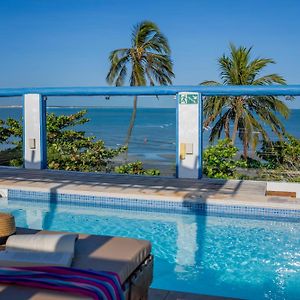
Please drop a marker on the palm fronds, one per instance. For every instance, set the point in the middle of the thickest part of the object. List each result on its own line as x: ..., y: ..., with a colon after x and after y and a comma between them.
x: 147, y: 61
x: 249, y: 115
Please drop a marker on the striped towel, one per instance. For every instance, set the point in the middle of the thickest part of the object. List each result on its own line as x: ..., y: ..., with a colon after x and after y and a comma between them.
x: 96, y: 285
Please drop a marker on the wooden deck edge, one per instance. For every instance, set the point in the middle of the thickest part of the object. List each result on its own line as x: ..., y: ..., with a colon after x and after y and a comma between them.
x: 281, y: 194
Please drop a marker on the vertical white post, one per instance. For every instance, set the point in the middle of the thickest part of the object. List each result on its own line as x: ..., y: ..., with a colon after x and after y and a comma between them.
x: 189, y: 135
x: 34, y: 135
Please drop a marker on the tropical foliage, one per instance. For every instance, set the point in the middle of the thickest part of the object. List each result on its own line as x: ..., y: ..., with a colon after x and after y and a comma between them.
x: 220, y: 160
x: 11, y: 133
x: 146, y: 61
x: 68, y: 149
x: 248, y: 115
x: 284, y: 154
x: 279, y: 160
x: 4, y: 132
x: 136, y: 168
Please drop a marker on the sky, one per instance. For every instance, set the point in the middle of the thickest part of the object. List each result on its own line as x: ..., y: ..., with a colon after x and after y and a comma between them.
x: 67, y: 42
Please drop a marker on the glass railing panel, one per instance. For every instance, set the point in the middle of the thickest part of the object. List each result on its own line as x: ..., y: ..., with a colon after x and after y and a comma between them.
x: 11, y: 112
x: 269, y: 153
x: 146, y: 146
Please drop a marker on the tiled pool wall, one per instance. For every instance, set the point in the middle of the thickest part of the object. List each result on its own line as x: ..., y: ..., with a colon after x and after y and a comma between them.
x: 183, y: 207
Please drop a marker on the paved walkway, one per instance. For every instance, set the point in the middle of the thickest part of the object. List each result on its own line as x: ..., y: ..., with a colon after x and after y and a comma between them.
x: 231, y: 192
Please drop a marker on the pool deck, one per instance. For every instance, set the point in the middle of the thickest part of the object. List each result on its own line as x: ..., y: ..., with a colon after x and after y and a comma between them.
x: 211, y: 191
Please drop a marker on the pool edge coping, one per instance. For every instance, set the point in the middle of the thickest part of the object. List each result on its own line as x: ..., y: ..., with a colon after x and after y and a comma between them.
x: 230, y: 203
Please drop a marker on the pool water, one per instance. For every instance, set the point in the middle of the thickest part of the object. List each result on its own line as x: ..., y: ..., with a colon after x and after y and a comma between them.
x: 234, y: 257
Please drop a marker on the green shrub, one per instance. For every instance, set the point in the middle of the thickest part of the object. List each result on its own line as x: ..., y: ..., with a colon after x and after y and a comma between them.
x: 219, y: 160
x: 136, y: 168
x: 282, y: 160
x: 67, y: 149
x: 249, y: 163
x: 5, y: 133
x: 284, y: 154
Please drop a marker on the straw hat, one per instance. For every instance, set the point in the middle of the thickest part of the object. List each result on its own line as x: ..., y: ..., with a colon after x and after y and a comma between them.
x: 7, y: 226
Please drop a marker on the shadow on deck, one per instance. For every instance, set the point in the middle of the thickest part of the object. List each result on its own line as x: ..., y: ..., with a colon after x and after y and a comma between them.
x: 139, y: 186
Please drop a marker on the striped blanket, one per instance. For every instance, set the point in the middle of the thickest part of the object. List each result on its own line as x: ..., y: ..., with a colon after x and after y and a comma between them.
x: 95, y: 285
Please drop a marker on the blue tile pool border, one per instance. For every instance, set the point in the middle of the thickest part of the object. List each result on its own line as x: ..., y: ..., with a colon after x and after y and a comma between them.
x: 183, y: 207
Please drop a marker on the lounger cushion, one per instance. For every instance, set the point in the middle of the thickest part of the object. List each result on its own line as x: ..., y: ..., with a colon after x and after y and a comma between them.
x: 107, y: 253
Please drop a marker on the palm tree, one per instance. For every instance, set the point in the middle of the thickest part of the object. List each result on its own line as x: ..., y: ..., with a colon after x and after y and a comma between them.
x: 248, y: 114
x: 148, y: 61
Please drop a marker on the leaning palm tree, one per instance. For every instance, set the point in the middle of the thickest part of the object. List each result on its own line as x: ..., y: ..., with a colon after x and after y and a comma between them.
x: 147, y: 60
x: 248, y: 115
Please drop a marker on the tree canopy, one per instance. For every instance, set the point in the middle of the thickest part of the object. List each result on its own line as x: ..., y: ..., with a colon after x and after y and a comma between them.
x: 248, y: 115
x: 146, y: 61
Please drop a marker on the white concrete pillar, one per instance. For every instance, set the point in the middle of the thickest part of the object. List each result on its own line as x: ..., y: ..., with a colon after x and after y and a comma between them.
x: 189, y: 135
x: 34, y: 135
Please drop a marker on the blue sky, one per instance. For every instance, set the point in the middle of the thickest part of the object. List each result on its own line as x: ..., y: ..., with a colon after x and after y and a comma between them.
x: 67, y: 42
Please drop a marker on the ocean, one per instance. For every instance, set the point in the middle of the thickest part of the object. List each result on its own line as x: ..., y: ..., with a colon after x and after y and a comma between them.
x: 154, y: 134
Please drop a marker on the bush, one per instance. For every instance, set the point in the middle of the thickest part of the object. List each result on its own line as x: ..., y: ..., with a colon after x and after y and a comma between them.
x: 219, y: 160
x: 136, y: 168
x: 283, y: 160
x: 73, y: 150
x: 11, y: 133
x: 250, y: 163
x: 4, y: 132
x: 68, y: 149
x: 284, y: 154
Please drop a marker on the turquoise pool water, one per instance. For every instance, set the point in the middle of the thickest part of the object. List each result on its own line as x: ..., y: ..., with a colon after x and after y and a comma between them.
x: 234, y: 257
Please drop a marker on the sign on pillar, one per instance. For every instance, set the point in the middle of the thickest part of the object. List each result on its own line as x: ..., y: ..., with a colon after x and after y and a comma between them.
x: 34, y: 135
x: 189, y: 135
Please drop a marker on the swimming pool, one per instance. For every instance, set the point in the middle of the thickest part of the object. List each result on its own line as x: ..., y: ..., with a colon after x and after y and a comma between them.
x: 226, y: 256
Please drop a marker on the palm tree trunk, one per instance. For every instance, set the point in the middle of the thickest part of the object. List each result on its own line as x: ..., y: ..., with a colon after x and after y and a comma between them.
x: 245, y: 142
x: 235, y: 128
x: 227, y: 129
x: 132, y: 120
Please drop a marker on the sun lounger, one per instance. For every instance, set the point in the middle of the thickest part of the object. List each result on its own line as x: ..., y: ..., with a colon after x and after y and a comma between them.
x: 130, y: 258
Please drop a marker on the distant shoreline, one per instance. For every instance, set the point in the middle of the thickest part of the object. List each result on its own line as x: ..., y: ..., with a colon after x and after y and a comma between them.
x: 87, y: 107
x: 11, y: 106
x: 105, y: 107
